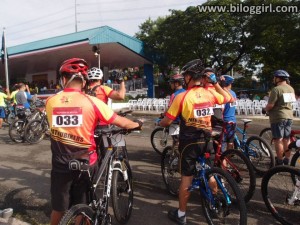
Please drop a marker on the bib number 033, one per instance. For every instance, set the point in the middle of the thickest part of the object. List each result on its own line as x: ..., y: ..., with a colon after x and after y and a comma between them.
x: 67, y: 117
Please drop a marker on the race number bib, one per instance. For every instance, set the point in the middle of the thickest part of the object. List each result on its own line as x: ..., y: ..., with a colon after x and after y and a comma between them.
x: 67, y: 117
x: 289, y: 97
x: 203, y: 112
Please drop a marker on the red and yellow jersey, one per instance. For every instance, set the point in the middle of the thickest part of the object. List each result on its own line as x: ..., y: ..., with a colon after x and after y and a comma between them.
x: 195, y: 107
x: 103, y: 93
x: 72, y: 117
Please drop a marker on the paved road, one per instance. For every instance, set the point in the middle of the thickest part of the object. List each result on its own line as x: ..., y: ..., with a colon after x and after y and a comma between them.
x: 25, y: 172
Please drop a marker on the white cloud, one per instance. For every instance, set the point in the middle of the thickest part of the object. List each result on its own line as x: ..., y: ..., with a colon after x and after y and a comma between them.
x: 33, y: 20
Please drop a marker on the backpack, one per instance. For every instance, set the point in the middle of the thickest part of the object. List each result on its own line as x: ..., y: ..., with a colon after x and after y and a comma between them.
x: 92, y: 91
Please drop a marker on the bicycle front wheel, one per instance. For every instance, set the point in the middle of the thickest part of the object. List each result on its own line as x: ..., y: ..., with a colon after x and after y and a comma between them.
x: 279, y: 194
x: 78, y: 214
x: 35, y: 131
x: 260, y: 154
x: 122, y: 193
x: 266, y: 134
x: 160, y: 139
x: 240, y: 168
x: 170, y: 170
x: 16, y: 131
x: 228, y: 205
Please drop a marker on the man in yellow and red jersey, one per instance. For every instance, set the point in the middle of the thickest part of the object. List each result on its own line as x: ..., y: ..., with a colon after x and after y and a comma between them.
x: 72, y: 117
x: 194, y: 107
x: 102, y: 92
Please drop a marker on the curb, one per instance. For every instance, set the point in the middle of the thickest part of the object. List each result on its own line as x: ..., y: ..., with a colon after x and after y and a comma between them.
x: 265, y: 119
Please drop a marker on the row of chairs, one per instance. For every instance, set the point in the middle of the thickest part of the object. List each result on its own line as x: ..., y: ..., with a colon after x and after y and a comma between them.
x: 158, y: 104
x: 248, y: 106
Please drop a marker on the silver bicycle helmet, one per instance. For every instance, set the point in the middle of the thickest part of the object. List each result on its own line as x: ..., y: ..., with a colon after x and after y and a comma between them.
x: 95, y: 74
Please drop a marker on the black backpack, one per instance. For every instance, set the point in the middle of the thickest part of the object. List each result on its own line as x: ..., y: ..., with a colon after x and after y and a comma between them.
x: 92, y: 91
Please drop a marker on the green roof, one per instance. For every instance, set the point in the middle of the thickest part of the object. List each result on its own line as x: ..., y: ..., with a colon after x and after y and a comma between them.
x: 94, y: 36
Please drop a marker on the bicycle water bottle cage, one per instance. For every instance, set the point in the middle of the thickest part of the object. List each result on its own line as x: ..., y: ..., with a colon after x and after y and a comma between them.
x: 79, y: 165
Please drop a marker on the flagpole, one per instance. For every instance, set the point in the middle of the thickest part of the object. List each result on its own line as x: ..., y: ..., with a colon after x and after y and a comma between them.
x: 5, y: 58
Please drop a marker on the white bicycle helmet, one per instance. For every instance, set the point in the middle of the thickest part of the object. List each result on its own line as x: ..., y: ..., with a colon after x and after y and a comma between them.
x: 95, y: 74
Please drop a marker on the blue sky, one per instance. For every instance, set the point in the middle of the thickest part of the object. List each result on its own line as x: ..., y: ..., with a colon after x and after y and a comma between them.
x: 31, y: 20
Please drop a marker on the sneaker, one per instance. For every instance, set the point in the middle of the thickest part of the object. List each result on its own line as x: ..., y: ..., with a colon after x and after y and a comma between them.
x: 279, y: 162
x: 173, y: 215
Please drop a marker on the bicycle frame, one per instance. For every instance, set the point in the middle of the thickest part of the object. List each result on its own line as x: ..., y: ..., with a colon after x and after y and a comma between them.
x: 200, y: 182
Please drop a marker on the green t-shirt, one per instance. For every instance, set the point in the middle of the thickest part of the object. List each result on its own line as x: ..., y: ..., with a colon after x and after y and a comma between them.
x: 2, y: 97
x: 282, y: 97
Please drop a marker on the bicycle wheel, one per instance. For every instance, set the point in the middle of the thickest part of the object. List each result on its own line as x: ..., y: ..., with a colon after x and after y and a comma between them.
x: 266, y: 134
x: 240, y: 168
x: 35, y: 131
x: 260, y: 154
x: 229, y: 206
x: 78, y: 214
x: 170, y: 170
x: 295, y: 162
x: 122, y: 193
x: 277, y: 189
x: 16, y: 131
x: 160, y: 139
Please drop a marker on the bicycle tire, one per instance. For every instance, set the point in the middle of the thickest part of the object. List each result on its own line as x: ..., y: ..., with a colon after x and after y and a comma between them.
x: 276, y: 187
x: 241, y: 169
x: 260, y: 154
x: 35, y: 131
x: 266, y: 134
x: 120, y: 188
x: 236, y: 212
x: 82, y: 210
x: 16, y: 131
x: 158, y: 139
x: 295, y: 162
x: 170, y: 170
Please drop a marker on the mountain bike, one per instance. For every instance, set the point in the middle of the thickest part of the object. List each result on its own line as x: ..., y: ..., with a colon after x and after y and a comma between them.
x: 234, y: 162
x: 221, y: 198
x: 37, y: 129
x: 280, y: 190
x: 255, y: 148
x: 161, y: 137
x: 115, y: 172
x: 9, y: 113
x: 266, y: 133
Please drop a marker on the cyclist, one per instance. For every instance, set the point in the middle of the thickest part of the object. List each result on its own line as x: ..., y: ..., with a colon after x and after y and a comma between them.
x: 72, y: 117
x: 280, y: 112
x: 95, y: 76
x: 194, y: 107
x: 229, y: 112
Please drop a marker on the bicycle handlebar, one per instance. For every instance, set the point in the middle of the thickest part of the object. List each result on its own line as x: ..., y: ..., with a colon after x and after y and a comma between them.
x: 114, y: 130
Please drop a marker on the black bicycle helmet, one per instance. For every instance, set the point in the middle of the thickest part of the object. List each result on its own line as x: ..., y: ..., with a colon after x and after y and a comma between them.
x: 281, y: 74
x: 194, y: 68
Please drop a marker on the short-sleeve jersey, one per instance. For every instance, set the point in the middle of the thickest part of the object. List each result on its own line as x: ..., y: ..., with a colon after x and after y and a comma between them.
x: 3, y: 96
x: 281, y: 96
x: 72, y: 117
x: 177, y: 92
x: 13, y: 96
x: 229, y: 109
x: 103, y: 92
x: 195, y: 107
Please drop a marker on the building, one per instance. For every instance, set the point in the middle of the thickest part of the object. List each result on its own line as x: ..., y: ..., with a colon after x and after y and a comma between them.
x: 38, y: 61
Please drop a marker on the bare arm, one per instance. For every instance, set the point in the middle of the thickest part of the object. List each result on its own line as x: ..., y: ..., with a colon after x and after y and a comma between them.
x: 226, y: 94
x: 269, y: 107
x: 125, y: 123
x: 165, y: 122
x: 120, y: 94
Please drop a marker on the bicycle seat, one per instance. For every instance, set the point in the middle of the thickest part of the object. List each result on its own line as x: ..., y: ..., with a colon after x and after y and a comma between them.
x: 246, y: 121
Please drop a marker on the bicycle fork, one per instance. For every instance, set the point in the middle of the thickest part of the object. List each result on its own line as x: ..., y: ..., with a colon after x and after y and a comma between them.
x: 294, y: 198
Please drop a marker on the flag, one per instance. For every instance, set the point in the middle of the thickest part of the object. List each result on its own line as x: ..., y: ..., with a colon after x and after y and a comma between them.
x: 3, y: 48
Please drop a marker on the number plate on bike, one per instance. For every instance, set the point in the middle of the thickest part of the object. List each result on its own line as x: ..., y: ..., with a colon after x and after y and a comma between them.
x: 174, y: 129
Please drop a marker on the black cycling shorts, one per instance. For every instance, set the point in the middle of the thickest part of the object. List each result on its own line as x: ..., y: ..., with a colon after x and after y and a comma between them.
x: 189, y: 152
x: 69, y: 188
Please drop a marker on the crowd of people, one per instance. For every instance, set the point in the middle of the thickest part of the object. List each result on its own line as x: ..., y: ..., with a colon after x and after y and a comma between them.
x: 84, y: 99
